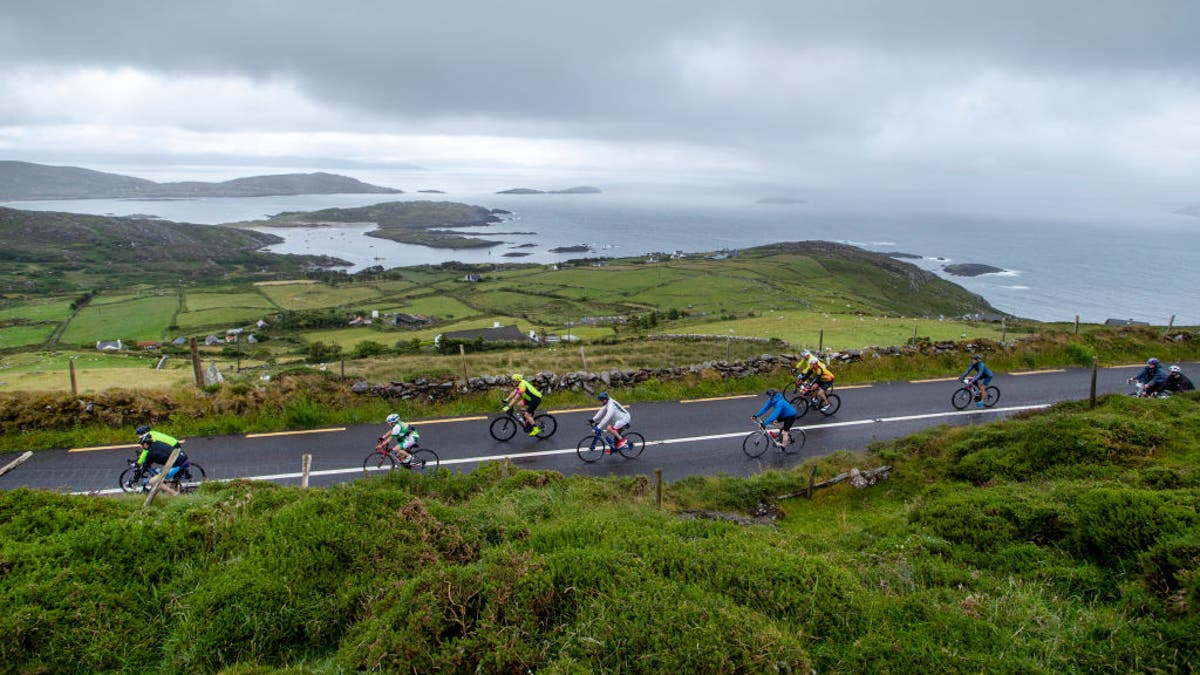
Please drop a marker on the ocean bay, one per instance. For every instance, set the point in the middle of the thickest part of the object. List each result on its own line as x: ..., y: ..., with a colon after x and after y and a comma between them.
x: 1134, y: 265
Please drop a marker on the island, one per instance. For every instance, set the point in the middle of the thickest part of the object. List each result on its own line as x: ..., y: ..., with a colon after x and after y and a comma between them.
x: 970, y: 269
x: 418, y: 222
x: 21, y: 181
x: 577, y: 248
x: 581, y: 190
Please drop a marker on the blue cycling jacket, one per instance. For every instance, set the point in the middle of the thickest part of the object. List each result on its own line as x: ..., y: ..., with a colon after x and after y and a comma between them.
x: 781, y: 408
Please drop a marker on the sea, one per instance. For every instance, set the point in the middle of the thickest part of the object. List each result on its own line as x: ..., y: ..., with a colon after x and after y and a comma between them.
x: 1140, y: 262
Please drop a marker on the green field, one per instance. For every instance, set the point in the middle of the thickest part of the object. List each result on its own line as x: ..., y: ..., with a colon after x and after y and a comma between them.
x: 126, y: 318
x: 24, y: 336
x: 199, y: 302
x: 317, y: 296
x: 53, y: 309
x: 441, y: 306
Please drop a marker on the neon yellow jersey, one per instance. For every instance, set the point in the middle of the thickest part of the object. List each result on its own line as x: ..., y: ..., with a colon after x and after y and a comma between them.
x: 528, y: 389
x: 817, y: 369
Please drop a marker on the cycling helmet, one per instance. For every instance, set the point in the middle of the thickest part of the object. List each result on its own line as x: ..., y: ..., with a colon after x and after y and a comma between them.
x: 1176, y: 369
x: 976, y: 357
x: 603, y: 396
x: 142, y: 430
x: 806, y: 353
x: 770, y: 392
x: 145, y: 438
x: 517, y: 377
x: 392, y: 419
x: 1152, y: 362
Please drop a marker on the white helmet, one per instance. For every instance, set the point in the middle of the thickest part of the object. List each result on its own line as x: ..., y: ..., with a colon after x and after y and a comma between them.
x: 392, y: 419
x: 806, y: 353
x: 1176, y: 369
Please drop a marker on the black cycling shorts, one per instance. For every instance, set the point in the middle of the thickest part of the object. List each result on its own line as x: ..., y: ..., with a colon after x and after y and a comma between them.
x: 532, y: 403
x: 786, y: 423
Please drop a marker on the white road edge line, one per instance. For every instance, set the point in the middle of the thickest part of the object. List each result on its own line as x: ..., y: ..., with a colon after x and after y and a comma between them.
x: 668, y: 441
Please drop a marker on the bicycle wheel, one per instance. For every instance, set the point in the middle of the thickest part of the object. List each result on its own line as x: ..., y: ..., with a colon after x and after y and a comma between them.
x: 423, y: 459
x: 590, y: 448
x: 634, y: 444
x: 800, y: 403
x: 963, y: 396
x: 377, y: 461
x: 127, y: 481
x: 190, y: 478
x: 503, y: 428
x: 756, y: 444
x: 791, y: 391
x: 993, y: 396
x: 796, y: 440
x: 835, y: 402
x: 546, y: 425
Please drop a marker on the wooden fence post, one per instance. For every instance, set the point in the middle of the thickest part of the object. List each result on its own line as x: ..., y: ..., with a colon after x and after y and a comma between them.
x: 156, y: 483
x: 821, y: 341
x: 1003, y: 332
x: 305, y: 467
x: 658, y: 487
x: 1095, y: 365
x: 1077, y: 324
x: 583, y: 357
x: 462, y: 351
x: 16, y: 462
x: 1171, y: 323
x: 74, y: 386
x: 914, y: 340
x: 812, y: 476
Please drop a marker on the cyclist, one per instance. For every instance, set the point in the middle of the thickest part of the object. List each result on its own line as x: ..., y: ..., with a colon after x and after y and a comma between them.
x: 780, y: 410
x: 527, y: 398
x: 1177, y: 381
x: 1152, y: 377
x: 983, y: 377
x: 401, y: 433
x: 613, y: 414
x: 157, y: 436
x: 816, y: 372
x: 158, y: 452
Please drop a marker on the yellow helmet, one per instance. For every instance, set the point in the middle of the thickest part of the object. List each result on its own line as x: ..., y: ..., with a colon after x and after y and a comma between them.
x: 517, y: 377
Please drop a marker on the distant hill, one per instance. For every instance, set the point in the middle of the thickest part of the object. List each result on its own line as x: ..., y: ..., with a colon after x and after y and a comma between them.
x: 27, y: 181
x: 53, y: 251
x: 580, y: 190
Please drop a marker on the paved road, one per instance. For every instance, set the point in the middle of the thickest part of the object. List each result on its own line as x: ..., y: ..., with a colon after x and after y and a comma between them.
x: 683, y: 437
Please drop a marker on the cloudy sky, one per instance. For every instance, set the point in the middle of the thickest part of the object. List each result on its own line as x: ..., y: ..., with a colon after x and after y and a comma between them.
x: 1094, y: 97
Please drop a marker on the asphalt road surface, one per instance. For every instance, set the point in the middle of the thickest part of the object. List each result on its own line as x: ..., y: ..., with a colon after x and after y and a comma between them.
x: 683, y: 438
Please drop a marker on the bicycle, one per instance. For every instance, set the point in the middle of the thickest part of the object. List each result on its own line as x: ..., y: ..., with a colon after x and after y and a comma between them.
x: 137, y: 479
x: 505, y: 426
x: 803, y: 397
x: 757, y: 441
x: 384, y: 457
x: 597, y: 444
x: 969, y: 392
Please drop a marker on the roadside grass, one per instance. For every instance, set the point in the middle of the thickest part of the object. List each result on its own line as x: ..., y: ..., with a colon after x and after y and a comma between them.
x: 1084, y: 562
x: 841, y: 331
x: 124, y: 317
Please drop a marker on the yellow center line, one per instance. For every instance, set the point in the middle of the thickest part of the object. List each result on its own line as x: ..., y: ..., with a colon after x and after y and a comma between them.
x: 295, y: 433
x: 104, y: 447
x: 852, y: 386
x: 1127, y: 365
x: 1039, y: 372
x: 571, y: 410
x: 718, y: 398
x: 451, y: 419
x: 936, y: 379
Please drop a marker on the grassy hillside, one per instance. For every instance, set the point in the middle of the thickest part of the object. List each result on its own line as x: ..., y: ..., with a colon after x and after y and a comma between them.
x: 47, y: 252
x: 1066, y: 541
